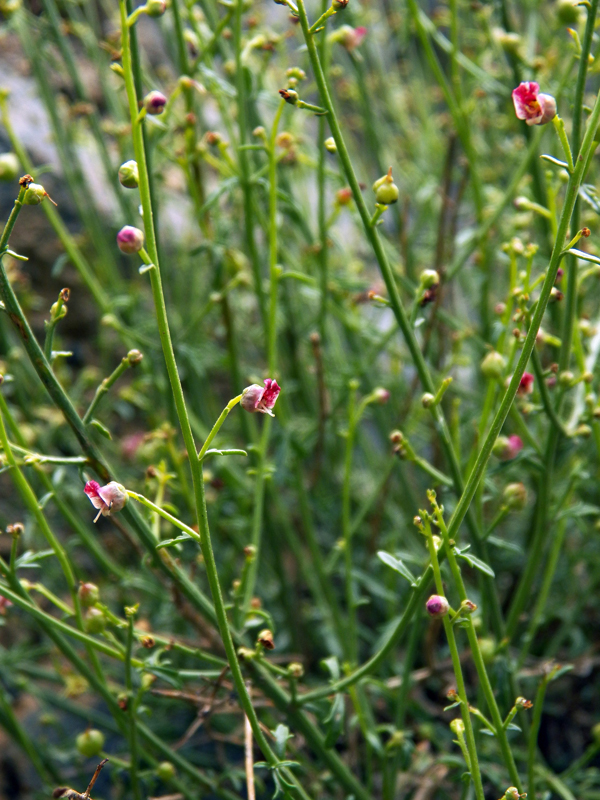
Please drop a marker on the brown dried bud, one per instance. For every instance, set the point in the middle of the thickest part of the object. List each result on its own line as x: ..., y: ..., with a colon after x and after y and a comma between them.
x: 265, y: 638
x: 26, y: 180
x: 147, y: 642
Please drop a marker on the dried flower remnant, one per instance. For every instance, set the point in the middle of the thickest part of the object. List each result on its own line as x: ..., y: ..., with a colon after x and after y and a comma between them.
x: 107, y: 499
x: 533, y: 106
x: 256, y: 398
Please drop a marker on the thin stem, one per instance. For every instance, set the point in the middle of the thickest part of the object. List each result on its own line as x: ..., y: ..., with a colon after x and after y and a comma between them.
x: 132, y: 712
x: 216, y: 427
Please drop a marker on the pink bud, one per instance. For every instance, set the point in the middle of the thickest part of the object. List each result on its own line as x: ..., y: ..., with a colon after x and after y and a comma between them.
x: 437, y: 606
x: 155, y: 102
x: 530, y: 105
x: 130, y: 240
x: 255, y: 398
x: 107, y: 499
x: 507, y: 448
x: 381, y: 396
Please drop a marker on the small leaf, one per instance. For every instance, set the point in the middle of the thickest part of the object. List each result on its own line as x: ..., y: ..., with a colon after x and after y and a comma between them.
x: 103, y: 430
x: 477, y: 563
x: 332, y: 665
x: 396, y: 565
x: 452, y: 706
x: 29, y: 559
x: 170, y: 542
x: 334, y: 721
x: 281, y: 734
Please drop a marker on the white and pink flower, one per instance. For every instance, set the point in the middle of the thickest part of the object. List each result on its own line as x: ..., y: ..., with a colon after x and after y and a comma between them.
x: 107, y: 499
x: 533, y: 106
x: 256, y: 398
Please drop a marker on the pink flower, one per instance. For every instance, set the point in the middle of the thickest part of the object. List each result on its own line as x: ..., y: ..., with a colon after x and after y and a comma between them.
x: 255, y: 398
x: 437, y: 606
x: 107, y: 499
x: 530, y: 105
x: 526, y: 384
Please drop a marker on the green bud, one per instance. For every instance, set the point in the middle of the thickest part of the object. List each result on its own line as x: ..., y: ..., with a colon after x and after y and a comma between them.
x: 487, y: 648
x: 88, y: 594
x: 9, y: 167
x: 166, y: 771
x: 90, y: 743
x: 515, y: 496
x: 129, y: 176
x: 35, y: 194
x: 297, y: 73
x: 457, y: 726
x: 493, y: 365
x: 330, y: 145
x: 155, y: 8
x: 95, y: 621
x: 427, y: 400
x: 568, y: 12
x: 386, y: 191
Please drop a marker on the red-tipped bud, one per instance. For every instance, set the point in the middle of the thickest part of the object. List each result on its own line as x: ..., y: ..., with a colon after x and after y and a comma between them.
x: 437, y: 606
x: 256, y: 398
x: 130, y: 240
x: 155, y: 103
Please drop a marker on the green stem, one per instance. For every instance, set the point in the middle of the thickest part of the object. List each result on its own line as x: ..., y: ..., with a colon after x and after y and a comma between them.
x: 104, y: 387
x: 460, y: 683
x: 216, y: 427
x: 132, y: 713
x: 538, y: 707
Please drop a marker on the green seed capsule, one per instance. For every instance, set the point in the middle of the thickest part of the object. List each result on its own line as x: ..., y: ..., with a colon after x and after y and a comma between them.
x: 90, y: 743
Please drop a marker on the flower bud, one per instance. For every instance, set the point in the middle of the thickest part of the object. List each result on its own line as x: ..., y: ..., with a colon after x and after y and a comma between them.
x: 386, y: 191
x: 596, y: 733
x: 155, y: 8
x: 330, y: 145
x: 290, y: 96
x: 155, y: 103
x: 515, y: 496
x: 147, y: 641
x: 487, y: 648
x: 568, y: 12
x: 427, y: 400
x: 297, y: 73
x: 129, y: 176
x: 339, y: 5
x: 9, y: 167
x: 457, y: 726
x: 507, y: 447
x: 90, y: 742
x: 566, y: 378
x: 295, y: 670
x: 510, y: 42
x: 381, y: 396
x: 265, y: 638
x: 95, y: 621
x: 343, y: 197
x: 130, y: 240
x: 429, y: 278
x: 35, y: 194
x: 134, y: 357
x: 437, y: 606
x: 493, y: 365
x: 88, y: 594
x: 166, y: 771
